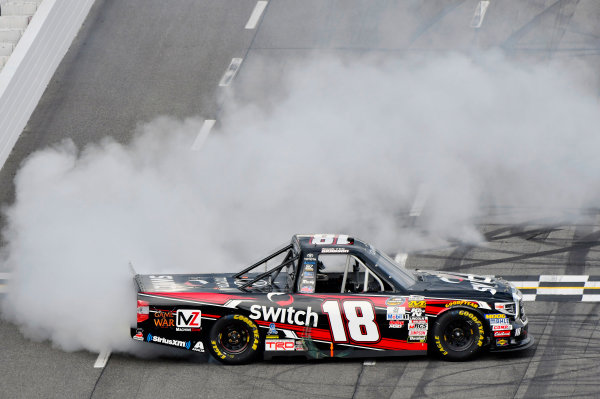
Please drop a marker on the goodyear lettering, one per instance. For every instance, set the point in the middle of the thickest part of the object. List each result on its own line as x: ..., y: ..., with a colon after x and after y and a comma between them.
x: 477, y: 321
x: 216, y: 349
x: 439, y: 345
x: 252, y: 326
x: 282, y: 315
x: 458, y: 303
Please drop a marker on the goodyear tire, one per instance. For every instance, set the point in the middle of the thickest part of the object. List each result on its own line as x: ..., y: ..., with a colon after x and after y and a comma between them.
x: 458, y: 335
x: 234, y: 339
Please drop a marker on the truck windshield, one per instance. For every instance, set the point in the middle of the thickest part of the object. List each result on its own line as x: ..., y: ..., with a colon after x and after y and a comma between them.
x: 402, y: 276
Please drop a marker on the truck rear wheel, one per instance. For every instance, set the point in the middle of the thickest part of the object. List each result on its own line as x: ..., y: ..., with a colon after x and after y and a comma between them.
x: 458, y: 335
x: 234, y: 339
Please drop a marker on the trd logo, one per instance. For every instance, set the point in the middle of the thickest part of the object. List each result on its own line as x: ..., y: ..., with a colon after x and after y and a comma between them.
x: 188, y: 318
x: 280, y: 345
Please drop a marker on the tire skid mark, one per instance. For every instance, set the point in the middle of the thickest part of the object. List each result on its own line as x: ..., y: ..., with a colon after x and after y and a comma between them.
x: 429, y: 23
x: 552, y: 351
x: 455, y: 259
x: 562, y: 20
x: 582, y: 239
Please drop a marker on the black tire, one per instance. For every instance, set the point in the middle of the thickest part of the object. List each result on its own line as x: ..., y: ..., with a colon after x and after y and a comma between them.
x: 458, y: 335
x: 234, y: 339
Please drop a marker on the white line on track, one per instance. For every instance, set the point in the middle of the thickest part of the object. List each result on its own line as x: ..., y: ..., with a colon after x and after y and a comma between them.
x: 102, y: 359
x: 564, y: 278
x: 420, y: 199
x: 256, y: 13
x: 401, y: 258
x: 3, y: 288
x: 559, y: 291
x: 203, y: 134
x: 4, y: 276
x: 231, y: 71
x: 369, y: 363
x: 479, y: 14
x: 529, y: 297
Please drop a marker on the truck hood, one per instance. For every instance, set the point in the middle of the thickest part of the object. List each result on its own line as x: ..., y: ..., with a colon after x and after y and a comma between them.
x: 470, y: 285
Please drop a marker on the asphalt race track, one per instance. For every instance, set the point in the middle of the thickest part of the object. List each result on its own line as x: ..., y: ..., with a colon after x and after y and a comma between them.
x: 136, y: 59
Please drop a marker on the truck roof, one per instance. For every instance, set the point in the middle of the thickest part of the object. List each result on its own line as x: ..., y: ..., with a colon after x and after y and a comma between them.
x: 341, y: 242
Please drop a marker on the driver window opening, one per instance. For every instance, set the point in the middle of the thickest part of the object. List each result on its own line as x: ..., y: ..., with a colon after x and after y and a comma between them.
x: 346, y: 274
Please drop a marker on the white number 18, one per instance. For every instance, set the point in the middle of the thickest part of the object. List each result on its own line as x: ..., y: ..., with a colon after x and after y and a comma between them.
x: 360, y: 316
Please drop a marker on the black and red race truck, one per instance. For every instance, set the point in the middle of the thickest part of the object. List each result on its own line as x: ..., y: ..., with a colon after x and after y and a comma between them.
x: 326, y: 295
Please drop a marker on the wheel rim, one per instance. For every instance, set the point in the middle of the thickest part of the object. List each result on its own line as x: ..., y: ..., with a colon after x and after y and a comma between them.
x: 235, y: 337
x: 459, y: 335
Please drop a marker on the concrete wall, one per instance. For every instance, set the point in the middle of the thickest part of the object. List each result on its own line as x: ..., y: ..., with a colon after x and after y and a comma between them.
x: 33, y: 62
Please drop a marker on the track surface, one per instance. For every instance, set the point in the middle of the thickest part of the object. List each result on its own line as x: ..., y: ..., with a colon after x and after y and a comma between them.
x: 137, y: 59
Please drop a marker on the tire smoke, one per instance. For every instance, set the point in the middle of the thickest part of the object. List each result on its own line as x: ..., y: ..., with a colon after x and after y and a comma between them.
x: 345, y: 148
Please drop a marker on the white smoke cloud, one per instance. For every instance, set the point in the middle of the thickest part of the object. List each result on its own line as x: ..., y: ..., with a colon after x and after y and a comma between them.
x: 343, y: 149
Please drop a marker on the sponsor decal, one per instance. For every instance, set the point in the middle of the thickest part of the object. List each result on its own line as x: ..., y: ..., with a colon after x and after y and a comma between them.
x: 272, y: 329
x: 308, y: 274
x: 500, y: 327
x: 396, y: 313
x: 495, y: 316
x: 412, y: 325
x: 172, y: 342
x: 221, y: 282
x: 397, y: 301
x: 307, y: 289
x: 199, y: 347
x: 396, y: 324
x: 416, y: 298
x: 163, y: 283
x: 464, y: 303
x: 280, y: 345
x: 259, y: 283
x: 188, y: 320
x: 300, y: 346
x: 139, y: 335
x: 283, y: 315
x: 164, y: 319
x: 334, y: 251
x: 502, y: 334
x: 308, y: 268
x: 417, y: 312
x: 280, y: 298
x: 478, y: 284
x: 417, y: 304
x: 195, y: 282
x: 417, y: 338
x: 518, y: 332
x: 501, y: 342
x: 499, y: 321
x: 449, y: 278
x: 418, y: 327
x: 309, y: 255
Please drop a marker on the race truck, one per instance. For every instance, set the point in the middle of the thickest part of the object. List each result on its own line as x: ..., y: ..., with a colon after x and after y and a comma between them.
x: 326, y: 295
